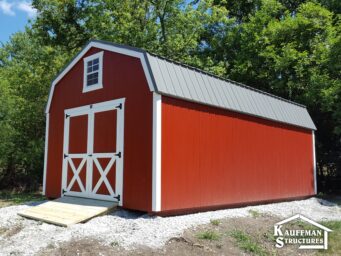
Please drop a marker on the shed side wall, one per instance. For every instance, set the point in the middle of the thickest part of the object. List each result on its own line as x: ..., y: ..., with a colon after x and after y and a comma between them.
x: 213, y: 157
x: 123, y: 77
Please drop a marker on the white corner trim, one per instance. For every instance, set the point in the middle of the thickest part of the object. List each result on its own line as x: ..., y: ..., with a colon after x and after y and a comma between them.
x: 314, y: 162
x: 99, y: 85
x: 156, y: 190
x: 106, y: 47
x: 46, y: 151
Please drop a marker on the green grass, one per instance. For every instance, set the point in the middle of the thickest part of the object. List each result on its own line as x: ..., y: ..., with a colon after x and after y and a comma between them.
x: 304, y: 225
x: 255, y: 214
x: 334, y: 238
x: 208, y: 235
x: 246, y: 243
x: 270, y: 236
x: 8, y: 198
x: 215, y: 222
x: 114, y: 244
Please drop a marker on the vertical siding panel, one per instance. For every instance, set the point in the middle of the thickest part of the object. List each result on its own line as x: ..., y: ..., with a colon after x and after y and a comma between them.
x: 214, y: 157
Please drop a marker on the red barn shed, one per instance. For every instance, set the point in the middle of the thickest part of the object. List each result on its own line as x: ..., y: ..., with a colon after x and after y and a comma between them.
x: 158, y: 136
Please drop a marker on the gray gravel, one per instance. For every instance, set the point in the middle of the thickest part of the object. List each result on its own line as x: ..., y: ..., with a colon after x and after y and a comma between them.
x: 131, y: 230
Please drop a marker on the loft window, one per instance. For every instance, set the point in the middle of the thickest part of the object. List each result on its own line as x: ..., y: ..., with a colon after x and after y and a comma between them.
x: 93, y: 69
x: 92, y: 72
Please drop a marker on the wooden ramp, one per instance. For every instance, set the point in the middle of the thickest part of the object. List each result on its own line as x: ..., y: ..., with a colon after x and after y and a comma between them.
x: 68, y: 210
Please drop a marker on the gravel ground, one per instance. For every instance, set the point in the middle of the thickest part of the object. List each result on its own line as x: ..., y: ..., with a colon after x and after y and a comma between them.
x: 20, y: 236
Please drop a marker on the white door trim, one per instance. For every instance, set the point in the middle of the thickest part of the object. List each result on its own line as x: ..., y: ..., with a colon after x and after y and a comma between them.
x: 156, y: 165
x: 91, y: 157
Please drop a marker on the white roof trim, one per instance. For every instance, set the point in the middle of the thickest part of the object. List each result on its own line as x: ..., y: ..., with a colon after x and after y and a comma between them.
x: 108, y: 47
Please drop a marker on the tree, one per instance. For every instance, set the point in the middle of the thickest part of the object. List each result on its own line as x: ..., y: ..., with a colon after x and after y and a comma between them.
x: 295, y: 53
x: 289, y: 48
x: 25, y: 74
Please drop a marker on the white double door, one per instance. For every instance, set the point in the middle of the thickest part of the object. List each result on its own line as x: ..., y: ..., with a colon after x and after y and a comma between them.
x: 93, y: 151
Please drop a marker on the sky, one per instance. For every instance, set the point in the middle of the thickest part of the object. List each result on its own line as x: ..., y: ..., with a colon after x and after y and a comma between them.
x: 14, y: 15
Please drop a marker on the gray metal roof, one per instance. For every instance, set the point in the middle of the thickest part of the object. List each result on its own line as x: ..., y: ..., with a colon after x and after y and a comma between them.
x: 177, y: 80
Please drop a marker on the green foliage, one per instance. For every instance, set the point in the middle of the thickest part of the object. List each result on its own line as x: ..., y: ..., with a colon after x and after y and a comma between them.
x: 294, y: 54
x: 289, y: 48
x: 15, y: 197
x: 25, y: 74
x: 246, y: 243
x: 215, y: 222
x: 255, y: 214
x: 115, y: 244
x: 334, y: 245
x: 208, y: 235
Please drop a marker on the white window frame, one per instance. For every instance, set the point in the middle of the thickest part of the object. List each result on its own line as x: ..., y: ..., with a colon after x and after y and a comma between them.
x: 99, y: 85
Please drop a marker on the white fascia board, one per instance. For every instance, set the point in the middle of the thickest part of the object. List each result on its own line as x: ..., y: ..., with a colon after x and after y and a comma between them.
x: 107, y: 47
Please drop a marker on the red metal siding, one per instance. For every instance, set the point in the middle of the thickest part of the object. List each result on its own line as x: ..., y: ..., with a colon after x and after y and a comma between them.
x: 123, y: 76
x: 213, y: 157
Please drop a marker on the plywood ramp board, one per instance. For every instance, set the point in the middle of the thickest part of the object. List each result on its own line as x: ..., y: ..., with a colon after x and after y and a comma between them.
x: 68, y: 210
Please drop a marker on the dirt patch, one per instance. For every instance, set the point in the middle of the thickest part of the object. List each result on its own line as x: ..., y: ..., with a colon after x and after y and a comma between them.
x: 220, y: 237
x: 84, y: 247
x: 9, y: 232
x: 5, y: 203
x: 2, y: 231
x: 250, y: 235
x: 12, y: 231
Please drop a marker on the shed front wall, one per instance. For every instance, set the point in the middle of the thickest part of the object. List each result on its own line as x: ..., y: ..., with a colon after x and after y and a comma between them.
x: 213, y: 157
x: 123, y: 77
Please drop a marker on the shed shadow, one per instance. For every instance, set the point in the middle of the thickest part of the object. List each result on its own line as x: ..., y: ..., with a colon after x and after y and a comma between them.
x: 130, y: 214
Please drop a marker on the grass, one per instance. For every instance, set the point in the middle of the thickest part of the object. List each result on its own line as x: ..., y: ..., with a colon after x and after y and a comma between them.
x: 255, y: 214
x: 8, y: 198
x: 208, y: 235
x: 246, y: 243
x: 334, y: 238
x: 270, y: 236
x: 302, y: 225
x: 114, y: 244
x: 215, y: 222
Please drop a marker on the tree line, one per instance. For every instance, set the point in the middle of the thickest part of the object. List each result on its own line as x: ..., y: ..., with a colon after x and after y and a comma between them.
x: 285, y: 47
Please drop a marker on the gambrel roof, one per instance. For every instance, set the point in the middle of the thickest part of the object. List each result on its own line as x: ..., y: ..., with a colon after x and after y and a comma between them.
x: 174, y: 79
